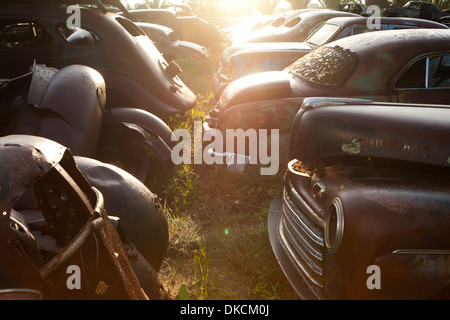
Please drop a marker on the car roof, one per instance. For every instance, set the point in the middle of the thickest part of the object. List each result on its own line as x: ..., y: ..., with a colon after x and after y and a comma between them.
x: 414, y: 41
x: 389, y: 20
x: 383, y: 54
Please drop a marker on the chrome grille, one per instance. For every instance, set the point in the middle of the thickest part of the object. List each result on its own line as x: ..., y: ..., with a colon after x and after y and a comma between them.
x: 302, y: 233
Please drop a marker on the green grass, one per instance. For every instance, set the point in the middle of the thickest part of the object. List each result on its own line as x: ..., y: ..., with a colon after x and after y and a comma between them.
x: 219, y: 246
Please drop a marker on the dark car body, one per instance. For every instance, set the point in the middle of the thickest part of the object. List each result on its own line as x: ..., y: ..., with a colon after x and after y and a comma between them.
x: 135, y: 72
x: 54, y: 219
x: 416, y: 9
x: 381, y: 66
x: 357, y: 8
x: 243, y: 59
x: 261, y: 25
x: 188, y: 28
x: 365, y: 211
x: 170, y: 45
x: 68, y: 106
x: 298, y: 28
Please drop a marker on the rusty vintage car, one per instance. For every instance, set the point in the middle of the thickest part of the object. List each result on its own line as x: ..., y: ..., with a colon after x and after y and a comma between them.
x: 170, y: 46
x: 249, y: 26
x: 186, y: 27
x: 297, y: 29
x: 417, y: 9
x: 394, y: 65
x: 242, y: 59
x: 365, y: 211
x: 68, y: 106
x: 94, y: 233
x: 135, y: 72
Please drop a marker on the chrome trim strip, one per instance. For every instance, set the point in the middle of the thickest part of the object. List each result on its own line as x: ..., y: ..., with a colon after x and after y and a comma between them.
x: 303, y: 206
x: 421, y: 251
x: 315, y: 238
x: 293, y: 255
x: 317, y: 269
x: 299, y: 241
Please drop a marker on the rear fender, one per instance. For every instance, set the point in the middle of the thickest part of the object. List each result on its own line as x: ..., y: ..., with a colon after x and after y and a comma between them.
x: 77, y: 94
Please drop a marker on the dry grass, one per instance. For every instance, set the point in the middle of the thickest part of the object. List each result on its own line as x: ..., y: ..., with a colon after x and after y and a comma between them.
x: 219, y: 246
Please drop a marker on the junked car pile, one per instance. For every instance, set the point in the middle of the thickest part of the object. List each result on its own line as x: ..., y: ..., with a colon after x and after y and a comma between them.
x: 361, y: 118
x: 361, y: 114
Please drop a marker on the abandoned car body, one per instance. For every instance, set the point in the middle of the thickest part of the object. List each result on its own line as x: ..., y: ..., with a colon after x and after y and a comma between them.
x: 365, y: 212
x: 396, y: 66
x: 169, y: 45
x: 187, y: 28
x: 296, y: 29
x: 417, y: 9
x: 240, y: 31
x: 68, y: 106
x: 54, y: 220
x: 135, y: 72
x: 243, y: 59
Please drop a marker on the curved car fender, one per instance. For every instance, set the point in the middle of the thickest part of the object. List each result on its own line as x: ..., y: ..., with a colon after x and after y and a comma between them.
x: 142, y: 219
x: 142, y: 118
x: 77, y: 94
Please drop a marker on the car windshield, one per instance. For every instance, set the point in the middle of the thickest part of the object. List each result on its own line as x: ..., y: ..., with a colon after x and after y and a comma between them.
x: 325, y: 65
x: 323, y: 34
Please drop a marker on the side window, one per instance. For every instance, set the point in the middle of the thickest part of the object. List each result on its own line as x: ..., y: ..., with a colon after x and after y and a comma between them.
x: 355, y: 9
x: 425, y: 73
x: 357, y: 30
x: 400, y: 26
x: 363, y: 29
x: 293, y: 22
x: 23, y: 34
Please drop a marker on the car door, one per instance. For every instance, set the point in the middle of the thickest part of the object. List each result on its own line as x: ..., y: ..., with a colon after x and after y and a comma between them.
x: 23, y: 41
x: 425, y: 80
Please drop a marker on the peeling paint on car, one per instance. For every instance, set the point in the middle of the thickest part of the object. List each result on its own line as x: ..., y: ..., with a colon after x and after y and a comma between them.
x: 353, y: 147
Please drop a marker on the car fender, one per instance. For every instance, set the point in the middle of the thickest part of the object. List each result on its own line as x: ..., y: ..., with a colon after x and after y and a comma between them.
x: 142, y: 218
x: 142, y: 118
x: 77, y: 94
x: 391, y: 224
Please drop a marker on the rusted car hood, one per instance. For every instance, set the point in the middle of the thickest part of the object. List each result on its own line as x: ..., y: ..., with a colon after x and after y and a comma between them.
x: 255, y: 87
x: 413, y: 133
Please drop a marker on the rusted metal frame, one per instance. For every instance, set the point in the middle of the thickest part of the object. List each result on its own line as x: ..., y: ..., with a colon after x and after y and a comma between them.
x: 64, y: 205
x: 78, y: 241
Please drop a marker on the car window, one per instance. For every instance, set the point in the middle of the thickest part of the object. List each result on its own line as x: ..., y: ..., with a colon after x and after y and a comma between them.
x: 325, y: 65
x: 357, y: 30
x: 278, y: 22
x: 426, y: 73
x: 364, y: 29
x: 293, y: 22
x: 323, y: 34
x: 355, y: 9
x: 400, y: 26
x: 23, y: 34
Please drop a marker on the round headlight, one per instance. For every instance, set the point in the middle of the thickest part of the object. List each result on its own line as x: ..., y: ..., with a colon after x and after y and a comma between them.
x: 334, y: 226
